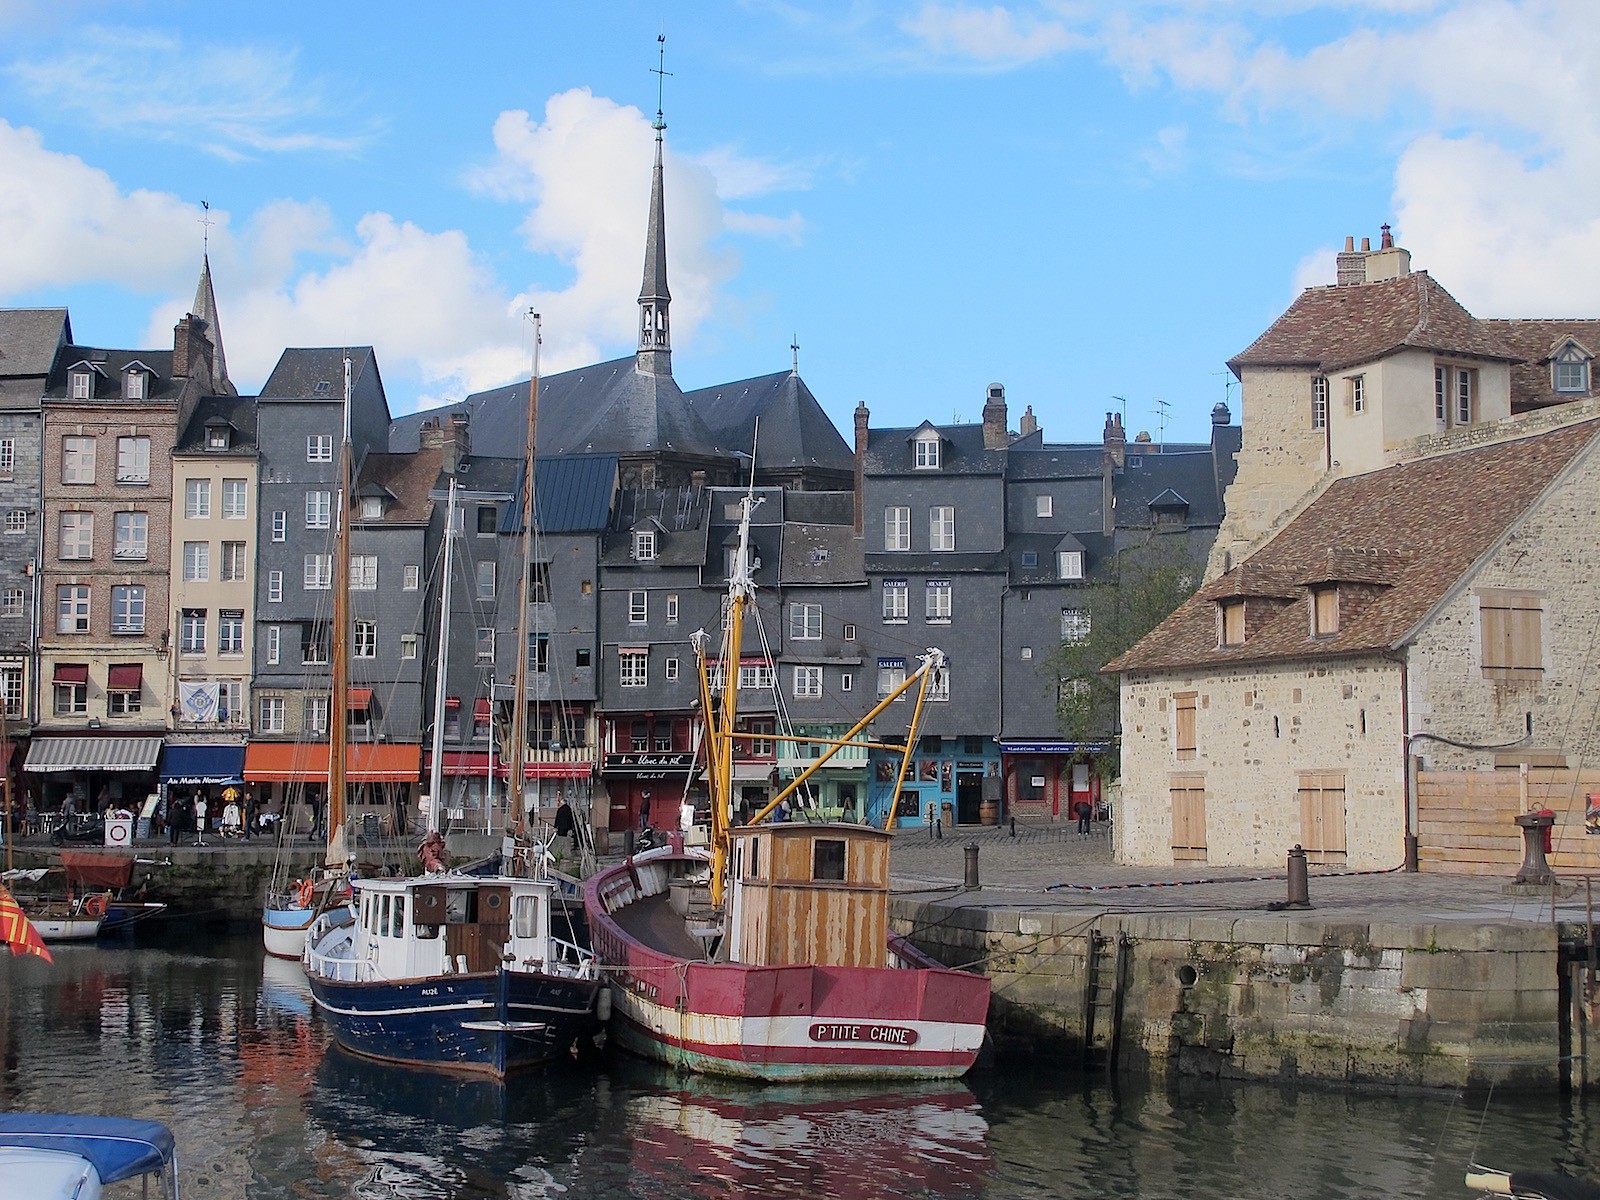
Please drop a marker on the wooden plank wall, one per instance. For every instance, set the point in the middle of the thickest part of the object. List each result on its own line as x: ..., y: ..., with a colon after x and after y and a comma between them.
x: 1465, y: 820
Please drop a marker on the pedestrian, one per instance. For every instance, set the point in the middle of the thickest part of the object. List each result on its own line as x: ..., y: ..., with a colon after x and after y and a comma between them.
x: 249, y: 807
x: 644, y: 810
x: 566, y: 826
x: 1085, y: 815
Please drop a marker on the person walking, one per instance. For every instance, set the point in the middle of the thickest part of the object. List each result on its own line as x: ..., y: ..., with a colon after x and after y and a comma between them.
x: 566, y: 826
x: 1085, y: 815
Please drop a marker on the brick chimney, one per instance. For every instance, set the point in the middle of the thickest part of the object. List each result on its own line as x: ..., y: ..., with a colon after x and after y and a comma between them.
x: 994, y: 419
x: 191, y: 349
x: 1115, y: 439
x: 1029, y: 423
x: 863, y: 417
x: 450, y: 436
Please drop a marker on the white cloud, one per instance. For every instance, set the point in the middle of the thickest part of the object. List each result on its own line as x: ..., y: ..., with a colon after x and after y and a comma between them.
x: 993, y: 36
x: 233, y: 101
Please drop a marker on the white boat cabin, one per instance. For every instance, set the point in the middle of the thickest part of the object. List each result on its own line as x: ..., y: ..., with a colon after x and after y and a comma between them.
x: 802, y: 893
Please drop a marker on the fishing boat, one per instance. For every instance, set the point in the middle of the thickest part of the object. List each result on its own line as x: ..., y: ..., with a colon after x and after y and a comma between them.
x: 450, y: 969
x: 48, y: 1155
x: 770, y: 955
x: 87, y: 870
x: 293, y: 904
x: 74, y: 919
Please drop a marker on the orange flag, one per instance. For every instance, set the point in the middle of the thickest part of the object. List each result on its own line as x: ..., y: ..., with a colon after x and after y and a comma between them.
x: 17, y: 931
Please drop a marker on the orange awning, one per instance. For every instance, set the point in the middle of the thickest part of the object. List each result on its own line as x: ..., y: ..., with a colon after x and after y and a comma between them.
x: 360, y: 698
x: 305, y: 762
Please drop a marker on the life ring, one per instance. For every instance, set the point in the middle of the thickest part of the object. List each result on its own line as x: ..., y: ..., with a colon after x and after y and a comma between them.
x: 95, y: 905
x: 305, y: 894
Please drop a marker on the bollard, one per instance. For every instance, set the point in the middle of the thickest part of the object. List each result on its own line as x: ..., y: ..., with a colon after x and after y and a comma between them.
x: 627, y: 843
x: 971, y: 884
x: 1535, y: 828
x: 1013, y: 827
x: 1299, y: 887
x: 938, y: 828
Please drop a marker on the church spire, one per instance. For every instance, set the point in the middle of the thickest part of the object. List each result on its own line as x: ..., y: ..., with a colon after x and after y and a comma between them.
x: 655, y: 335
x: 205, y: 307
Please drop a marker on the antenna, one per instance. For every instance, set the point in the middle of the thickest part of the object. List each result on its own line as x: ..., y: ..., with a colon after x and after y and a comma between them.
x: 1123, y: 400
x: 207, y: 223
x: 1161, y: 418
x: 794, y: 348
x: 661, y: 72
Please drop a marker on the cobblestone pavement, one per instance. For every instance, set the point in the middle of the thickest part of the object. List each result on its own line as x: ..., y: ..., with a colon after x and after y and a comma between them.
x: 1050, y: 867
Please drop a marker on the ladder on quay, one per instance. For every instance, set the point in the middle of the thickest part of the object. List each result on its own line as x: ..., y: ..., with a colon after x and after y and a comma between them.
x: 1105, y: 976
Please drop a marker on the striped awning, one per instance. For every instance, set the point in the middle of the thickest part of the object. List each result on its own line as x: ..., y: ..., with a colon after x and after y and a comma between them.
x: 107, y: 752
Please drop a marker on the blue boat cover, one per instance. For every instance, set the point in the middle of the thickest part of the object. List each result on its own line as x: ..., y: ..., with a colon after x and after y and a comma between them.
x: 118, y: 1148
x: 197, y: 763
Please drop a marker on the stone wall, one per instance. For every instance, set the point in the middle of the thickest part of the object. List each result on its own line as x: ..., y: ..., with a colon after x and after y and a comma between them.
x: 1271, y: 997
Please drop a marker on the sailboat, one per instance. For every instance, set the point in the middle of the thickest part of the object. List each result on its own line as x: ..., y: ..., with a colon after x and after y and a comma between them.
x: 291, y: 906
x: 770, y: 957
x: 456, y: 970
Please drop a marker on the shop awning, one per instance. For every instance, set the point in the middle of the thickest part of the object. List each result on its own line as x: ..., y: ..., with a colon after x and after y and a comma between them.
x: 480, y: 709
x: 197, y: 764
x: 103, y: 753
x: 753, y: 772
x: 476, y: 763
x: 1051, y: 746
x: 72, y: 673
x: 125, y: 677
x: 360, y: 698
x: 305, y: 762
x: 452, y: 702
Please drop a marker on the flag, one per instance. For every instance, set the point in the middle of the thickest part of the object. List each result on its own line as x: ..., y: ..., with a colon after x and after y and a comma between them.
x: 17, y: 931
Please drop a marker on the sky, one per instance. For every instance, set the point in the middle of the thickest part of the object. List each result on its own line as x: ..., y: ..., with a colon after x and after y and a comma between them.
x: 1094, y: 204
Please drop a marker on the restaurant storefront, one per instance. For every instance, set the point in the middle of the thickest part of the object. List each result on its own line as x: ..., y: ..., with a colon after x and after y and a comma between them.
x: 382, y: 780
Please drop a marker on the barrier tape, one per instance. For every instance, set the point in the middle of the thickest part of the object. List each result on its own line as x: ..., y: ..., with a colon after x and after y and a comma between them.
x: 1159, y: 883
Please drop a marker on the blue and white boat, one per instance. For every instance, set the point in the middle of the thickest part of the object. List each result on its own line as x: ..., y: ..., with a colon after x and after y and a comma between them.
x: 52, y: 1156
x: 454, y: 971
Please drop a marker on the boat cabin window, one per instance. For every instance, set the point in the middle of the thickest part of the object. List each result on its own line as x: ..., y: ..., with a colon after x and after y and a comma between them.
x: 460, y: 907
x: 383, y: 916
x: 397, y: 919
x: 755, y: 859
x: 827, y: 860
x: 525, y: 917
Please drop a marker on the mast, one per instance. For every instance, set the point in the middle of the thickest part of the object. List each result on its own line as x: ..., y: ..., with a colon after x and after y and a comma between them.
x: 436, y: 764
x: 339, y: 706
x: 516, y: 780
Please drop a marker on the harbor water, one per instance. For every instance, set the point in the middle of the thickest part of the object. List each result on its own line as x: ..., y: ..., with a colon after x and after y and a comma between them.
x: 199, y: 1030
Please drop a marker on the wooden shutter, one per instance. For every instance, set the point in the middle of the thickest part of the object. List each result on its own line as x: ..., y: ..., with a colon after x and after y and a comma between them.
x: 1322, y: 817
x: 1510, y: 627
x: 1183, y: 704
x: 1188, y: 818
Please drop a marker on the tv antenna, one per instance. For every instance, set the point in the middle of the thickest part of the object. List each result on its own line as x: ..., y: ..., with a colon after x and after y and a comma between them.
x: 1161, y: 421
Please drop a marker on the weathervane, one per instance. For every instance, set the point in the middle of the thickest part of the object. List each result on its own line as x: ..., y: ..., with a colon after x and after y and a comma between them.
x: 661, y: 72
x: 207, y: 223
x: 794, y: 348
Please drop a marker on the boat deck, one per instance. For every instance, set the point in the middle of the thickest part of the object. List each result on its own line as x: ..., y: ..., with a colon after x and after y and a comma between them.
x: 652, y: 921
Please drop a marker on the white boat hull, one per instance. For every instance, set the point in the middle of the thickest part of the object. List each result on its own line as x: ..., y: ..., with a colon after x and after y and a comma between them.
x: 67, y: 929
x: 283, y: 931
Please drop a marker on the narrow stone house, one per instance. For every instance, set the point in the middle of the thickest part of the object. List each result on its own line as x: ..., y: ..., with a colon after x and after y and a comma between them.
x: 1437, y: 615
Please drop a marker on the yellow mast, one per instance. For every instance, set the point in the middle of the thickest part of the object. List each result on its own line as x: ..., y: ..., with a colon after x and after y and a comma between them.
x: 339, y: 702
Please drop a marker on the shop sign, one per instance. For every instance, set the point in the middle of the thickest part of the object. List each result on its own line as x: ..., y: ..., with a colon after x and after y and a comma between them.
x: 647, y: 765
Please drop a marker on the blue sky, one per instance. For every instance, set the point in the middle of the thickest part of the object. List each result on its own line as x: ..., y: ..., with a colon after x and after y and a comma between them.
x: 1078, y: 200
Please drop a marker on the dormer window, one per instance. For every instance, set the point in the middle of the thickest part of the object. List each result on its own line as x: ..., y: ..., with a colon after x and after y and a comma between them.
x: 82, y: 384
x: 1233, y: 622
x: 133, y: 384
x: 218, y: 437
x: 644, y: 545
x: 371, y: 508
x: 1324, y: 611
x: 1571, y: 370
x: 1069, y: 564
x: 927, y: 451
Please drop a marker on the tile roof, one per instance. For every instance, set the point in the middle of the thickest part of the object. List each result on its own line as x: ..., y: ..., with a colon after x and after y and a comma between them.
x: 1331, y: 328
x: 409, y: 478
x: 1408, y: 533
x: 1536, y: 342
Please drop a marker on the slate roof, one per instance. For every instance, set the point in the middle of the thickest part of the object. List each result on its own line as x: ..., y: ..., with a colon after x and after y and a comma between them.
x: 1331, y: 328
x: 1191, y: 475
x: 1418, y: 527
x: 408, y: 478
x: 1536, y: 342
x: 111, y: 364
x: 237, y: 411
x: 821, y: 554
x: 682, y: 513
x: 29, y: 339
x: 1055, y: 462
x: 889, y: 452
x: 955, y: 563
x: 572, y: 493
x: 820, y: 508
x: 316, y: 373
x: 1098, y: 552
x: 795, y: 431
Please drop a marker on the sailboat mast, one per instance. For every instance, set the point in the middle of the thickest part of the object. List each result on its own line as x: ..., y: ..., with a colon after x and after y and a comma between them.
x: 339, y: 702
x: 436, y: 763
x: 519, y: 701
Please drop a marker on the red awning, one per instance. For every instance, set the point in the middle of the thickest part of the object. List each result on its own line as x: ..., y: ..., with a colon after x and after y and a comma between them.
x: 452, y: 702
x: 305, y: 762
x: 360, y: 698
x: 125, y: 677
x: 480, y: 709
x: 72, y: 673
x: 459, y: 762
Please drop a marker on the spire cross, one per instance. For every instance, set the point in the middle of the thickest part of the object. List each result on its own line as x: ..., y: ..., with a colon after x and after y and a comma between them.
x: 661, y: 73
x: 794, y: 348
x: 207, y: 222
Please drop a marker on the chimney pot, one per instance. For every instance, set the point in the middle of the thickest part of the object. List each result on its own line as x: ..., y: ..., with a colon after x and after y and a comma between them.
x: 1366, y: 245
x: 1349, y: 243
x: 995, y: 436
x: 1386, y: 242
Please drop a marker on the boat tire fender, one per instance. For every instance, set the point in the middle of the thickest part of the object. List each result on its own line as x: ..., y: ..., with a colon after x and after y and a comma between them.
x: 304, y: 895
x: 602, y: 1004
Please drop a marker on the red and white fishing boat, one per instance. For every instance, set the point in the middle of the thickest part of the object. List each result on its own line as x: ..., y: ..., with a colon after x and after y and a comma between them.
x: 769, y: 956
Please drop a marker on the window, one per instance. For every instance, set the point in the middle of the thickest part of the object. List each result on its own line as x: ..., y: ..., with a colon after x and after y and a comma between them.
x: 1324, y: 611
x: 1075, y: 626
x: 847, y: 681
x: 1233, y: 623
x: 11, y: 601
x: 1358, y: 393
x: 672, y: 669
x: 131, y: 536
x: 365, y: 642
x: 319, y: 447
x: 233, y: 562
x: 133, y: 460
x: 363, y: 572
x: 937, y: 608
x: 1571, y: 374
x: 412, y: 578
x: 230, y: 701
x: 72, y: 608
x: 897, y: 527
x: 1044, y: 506
x: 235, y: 500
x: 127, y: 609
x: 1183, y: 712
x: 644, y: 545
x: 807, y: 683
x: 1463, y: 397
x: 638, y: 607
x: 484, y: 644
x: 316, y: 719
x: 539, y: 653
x: 280, y: 525
x: 805, y: 622
x: 1441, y: 396
x: 941, y: 528
x: 371, y: 508
x: 1069, y: 564
x: 408, y: 645
x: 672, y: 608
x: 196, y: 562
x: 77, y: 535
x: 269, y: 711
x: 849, y: 632
x: 230, y: 631
x: 580, y: 657
x: 319, y: 510
x: 756, y: 677
x: 8, y: 456
x: 488, y: 520
x: 124, y: 702
x: 1319, y: 402
x: 939, y: 685
x: 274, y: 587
x: 1511, y: 627
x: 17, y: 520
x: 218, y: 437
x: 635, y: 668
x: 77, y: 460
x: 1030, y: 558
x: 318, y: 572
x: 196, y: 499
x: 314, y: 645
x: 927, y: 451
x: 11, y: 690
x: 539, y: 585
x: 896, y: 601
x: 82, y: 383
x: 1027, y: 653
x: 71, y: 699
x: 891, y: 674
x: 192, y: 631
x: 486, y: 580
x: 1188, y: 796
x: 274, y: 644
x: 133, y: 385
x: 1322, y: 816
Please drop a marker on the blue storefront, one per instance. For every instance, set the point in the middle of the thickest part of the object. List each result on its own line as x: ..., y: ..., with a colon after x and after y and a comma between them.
x: 952, y: 780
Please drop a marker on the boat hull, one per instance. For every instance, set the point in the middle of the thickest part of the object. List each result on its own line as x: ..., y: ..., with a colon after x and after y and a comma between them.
x: 493, y: 1023
x: 283, y: 930
x: 77, y: 928
x: 913, y: 1020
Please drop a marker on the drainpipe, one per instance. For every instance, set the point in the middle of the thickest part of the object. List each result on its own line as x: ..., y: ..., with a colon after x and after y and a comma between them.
x: 1412, y: 864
